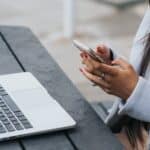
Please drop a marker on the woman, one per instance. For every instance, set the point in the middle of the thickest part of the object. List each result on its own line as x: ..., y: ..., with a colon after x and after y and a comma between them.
x: 130, y: 82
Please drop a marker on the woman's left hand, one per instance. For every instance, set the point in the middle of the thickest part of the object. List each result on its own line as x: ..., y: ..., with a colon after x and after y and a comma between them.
x: 120, y: 79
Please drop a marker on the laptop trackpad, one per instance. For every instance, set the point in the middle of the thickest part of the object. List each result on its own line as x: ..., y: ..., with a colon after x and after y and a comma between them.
x: 36, y: 104
x: 30, y: 99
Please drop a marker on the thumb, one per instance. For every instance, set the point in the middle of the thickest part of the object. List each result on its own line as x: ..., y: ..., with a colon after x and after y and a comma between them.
x: 101, y: 49
x: 120, y: 62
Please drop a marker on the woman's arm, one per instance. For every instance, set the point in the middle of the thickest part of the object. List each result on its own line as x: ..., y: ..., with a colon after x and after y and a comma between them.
x: 125, y: 83
x: 138, y: 104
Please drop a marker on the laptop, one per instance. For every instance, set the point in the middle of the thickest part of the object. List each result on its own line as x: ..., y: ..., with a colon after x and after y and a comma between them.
x: 26, y: 108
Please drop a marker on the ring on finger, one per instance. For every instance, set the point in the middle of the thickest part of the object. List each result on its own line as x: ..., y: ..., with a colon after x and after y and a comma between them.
x: 102, y: 76
x: 107, y: 90
x: 99, y: 78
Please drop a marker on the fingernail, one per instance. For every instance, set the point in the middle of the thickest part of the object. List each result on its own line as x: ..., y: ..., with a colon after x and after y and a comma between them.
x: 98, y: 48
x: 80, y: 69
x: 86, y: 56
x: 98, y: 51
x: 81, y: 55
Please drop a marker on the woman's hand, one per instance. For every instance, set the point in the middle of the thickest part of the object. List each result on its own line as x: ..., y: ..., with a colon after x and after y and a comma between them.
x: 103, y: 51
x: 120, y: 79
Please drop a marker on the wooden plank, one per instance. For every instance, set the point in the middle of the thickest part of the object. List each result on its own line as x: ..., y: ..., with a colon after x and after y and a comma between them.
x: 8, y: 65
x: 91, y: 133
x: 47, y: 142
x: 10, y: 146
x: 7, y: 62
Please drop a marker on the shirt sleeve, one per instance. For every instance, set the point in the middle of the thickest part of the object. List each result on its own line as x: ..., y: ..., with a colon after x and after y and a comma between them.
x: 138, y: 104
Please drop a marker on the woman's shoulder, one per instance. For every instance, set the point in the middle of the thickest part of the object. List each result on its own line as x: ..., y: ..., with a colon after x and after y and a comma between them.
x: 144, y: 27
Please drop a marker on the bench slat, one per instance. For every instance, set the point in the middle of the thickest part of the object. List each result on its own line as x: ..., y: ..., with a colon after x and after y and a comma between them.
x: 90, y: 133
x: 10, y: 146
x: 47, y: 142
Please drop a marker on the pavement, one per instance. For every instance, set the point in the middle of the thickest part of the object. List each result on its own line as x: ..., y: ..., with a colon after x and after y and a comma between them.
x: 95, y: 23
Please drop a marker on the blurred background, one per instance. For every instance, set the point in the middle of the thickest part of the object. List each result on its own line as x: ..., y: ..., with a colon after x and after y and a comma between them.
x: 57, y: 22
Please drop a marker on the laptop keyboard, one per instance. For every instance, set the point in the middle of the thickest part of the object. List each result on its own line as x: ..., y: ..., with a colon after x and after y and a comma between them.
x: 11, y: 117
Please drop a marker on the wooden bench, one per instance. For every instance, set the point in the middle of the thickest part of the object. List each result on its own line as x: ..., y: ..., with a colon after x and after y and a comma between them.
x: 21, y: 51
x: 102, y: 108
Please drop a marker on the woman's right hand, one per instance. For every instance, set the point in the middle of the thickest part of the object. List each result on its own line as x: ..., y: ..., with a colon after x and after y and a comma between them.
x: 103, y: 51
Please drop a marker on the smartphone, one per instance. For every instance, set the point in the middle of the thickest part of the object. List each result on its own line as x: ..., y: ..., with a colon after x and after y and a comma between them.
x: 90, y: 51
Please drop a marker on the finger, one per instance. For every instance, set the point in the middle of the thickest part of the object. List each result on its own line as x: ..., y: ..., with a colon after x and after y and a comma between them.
x: 107, y: 69
x: 86, y: 61
x: 93, y: 71
x: 107, y: 91
x: 93, y: 66
x: 89, y: 61
x: 101, y: 49
x: 93, y: 62
x: 83, y: 54
x: 96, y: 67
x: 100, y: 67
x: 108, y: 78
x: 84, y: 58
x: 97, y: 80
x: 120, y: 62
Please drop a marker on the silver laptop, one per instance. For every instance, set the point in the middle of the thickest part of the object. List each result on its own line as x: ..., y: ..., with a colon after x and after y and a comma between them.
x: 26, y: 108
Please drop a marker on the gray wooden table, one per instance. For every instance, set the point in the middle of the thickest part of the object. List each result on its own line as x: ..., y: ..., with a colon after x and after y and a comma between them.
x: 21, y: 51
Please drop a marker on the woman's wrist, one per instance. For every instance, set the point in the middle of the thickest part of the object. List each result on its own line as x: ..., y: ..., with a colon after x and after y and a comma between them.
x: 133, y: 85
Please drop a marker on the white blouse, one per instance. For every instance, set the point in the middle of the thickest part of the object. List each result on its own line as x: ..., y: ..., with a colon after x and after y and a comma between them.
x: 138, y: 104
